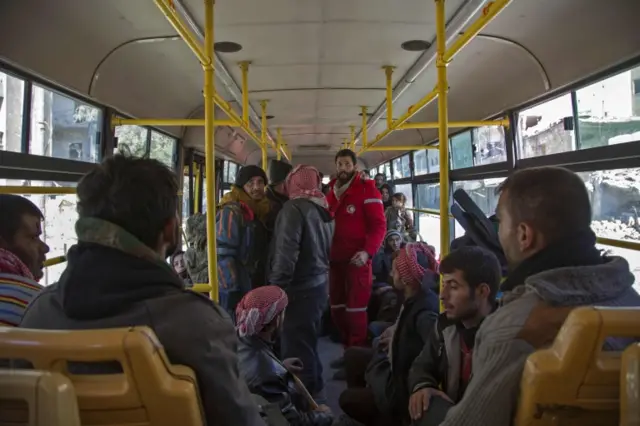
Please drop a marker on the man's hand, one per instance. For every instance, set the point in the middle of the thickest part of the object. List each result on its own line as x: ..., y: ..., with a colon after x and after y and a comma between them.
x: 419, y: 401
x: 363, y: 175
x: 294, y: 365
x: 385, y: 338
x: 323, y: 409
x: 360, y: 258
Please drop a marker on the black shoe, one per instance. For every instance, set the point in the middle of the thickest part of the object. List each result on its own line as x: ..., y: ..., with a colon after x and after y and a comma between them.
x: 340, y: 375
x: 337, y: 363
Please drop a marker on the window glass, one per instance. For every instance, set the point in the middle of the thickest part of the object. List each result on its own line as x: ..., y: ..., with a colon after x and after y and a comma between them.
x: 402, y: 167
x: 387, y: 170
x: 632, y: 256
x: 429, y: 229
x: 433, y: 158
x: 58, y: 227
x: 428, y: 196
x: 233, y: 170
x: 225, y: 171
x: 407, y: 190
x: 372, y: 172
x: 461, y: 151
x: 482, y: 192
x: 546, y: 128
x: 614, y: 202
x: 163, y: 148
x: 63, y: 127
x: 204, y: 195
x: 132, y: 140
x: 609, y: 111
x: 490, y: 145
x: 11, y: 104
x: 185, y: 207
x: 397, y: 169
x: 420, y: 163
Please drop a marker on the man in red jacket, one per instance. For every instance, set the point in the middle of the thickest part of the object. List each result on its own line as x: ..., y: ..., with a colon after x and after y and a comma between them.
x: 359, y: 230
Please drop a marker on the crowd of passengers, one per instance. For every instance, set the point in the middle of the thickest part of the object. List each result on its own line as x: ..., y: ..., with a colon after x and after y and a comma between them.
x: 288, y: 246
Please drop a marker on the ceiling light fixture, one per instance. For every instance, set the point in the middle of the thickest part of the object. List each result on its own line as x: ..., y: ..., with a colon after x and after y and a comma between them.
x: 227, y: 47
x: 415, y: 45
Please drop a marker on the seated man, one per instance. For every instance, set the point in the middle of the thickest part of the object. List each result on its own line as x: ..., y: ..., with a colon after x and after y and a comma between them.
x: 260, y: 315
x: 116, y: 276
x: 555, y: 266
x: 471, y: 276
x: 383, y: 306
x: 378, y: 379
x: 22, y: 256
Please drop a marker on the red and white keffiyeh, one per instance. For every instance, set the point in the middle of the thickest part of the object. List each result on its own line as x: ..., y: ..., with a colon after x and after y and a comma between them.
x: 258, y: 308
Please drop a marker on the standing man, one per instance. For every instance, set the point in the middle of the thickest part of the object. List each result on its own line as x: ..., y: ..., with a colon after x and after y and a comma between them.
x: 360, y: 228
x: 299, y: 264
x: 276, y: 190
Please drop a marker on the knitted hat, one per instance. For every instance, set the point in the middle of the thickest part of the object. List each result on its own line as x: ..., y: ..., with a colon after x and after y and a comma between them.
x: 249, y: 172
x: 278, y: 171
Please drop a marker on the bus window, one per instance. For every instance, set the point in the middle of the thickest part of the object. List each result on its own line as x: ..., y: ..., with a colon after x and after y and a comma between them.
x: 62, y: 127
x: 11, y: 100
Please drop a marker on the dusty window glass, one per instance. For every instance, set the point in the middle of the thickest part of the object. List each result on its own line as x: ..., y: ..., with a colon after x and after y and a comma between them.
x: 132, y: 140
x: 490, y: 145
x: 63, y: 127
x: 547, y: 128
x: 163, y: 148
x: 11, y: 108
x: 420, y: 164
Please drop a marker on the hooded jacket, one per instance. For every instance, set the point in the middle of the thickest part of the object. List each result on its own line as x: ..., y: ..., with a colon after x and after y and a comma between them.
x: 113, y: 280
x: 300, y: 249
x: 531, y: 316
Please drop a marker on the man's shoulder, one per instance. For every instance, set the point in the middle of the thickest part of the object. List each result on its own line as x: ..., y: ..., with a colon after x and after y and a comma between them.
x: 508, y: 321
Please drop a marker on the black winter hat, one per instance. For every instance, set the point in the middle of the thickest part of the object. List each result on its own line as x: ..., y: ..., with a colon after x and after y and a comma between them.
x: 249, y: 172
x: 278, y: 171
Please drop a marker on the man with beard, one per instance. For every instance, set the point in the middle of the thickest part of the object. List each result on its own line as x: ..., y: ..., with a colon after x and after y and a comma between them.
x: 276, y: 190
x: 555, y: 267
x: 359, y: 230
x: 242, y: 236
x: 470, y: 278
x: 117, y: 276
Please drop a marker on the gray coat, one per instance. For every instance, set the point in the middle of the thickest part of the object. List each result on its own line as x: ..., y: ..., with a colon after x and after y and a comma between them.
x: 106, y: 286
x: 529, y: 319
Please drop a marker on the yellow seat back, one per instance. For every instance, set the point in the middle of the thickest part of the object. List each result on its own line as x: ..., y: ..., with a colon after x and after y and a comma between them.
x: 145, y: 388
x: 630, y: 386
x: 574, y: 382
x: 37, y: 398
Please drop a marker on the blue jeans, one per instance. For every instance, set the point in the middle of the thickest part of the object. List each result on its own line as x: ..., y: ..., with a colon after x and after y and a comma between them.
x: 301, y: 329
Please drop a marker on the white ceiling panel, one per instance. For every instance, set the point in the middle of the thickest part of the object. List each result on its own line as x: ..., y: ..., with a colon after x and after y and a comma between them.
x: 385, y: 11
x: 275, y: 77
x: 355, y: 76
x: 349, y: 98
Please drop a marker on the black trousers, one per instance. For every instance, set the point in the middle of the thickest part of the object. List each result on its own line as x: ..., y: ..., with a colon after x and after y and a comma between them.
x: 301, y: 329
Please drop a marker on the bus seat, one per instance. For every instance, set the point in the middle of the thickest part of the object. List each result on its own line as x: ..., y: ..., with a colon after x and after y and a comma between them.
x: 574, y: 382
x: 630, y: 386
x: 121, y: 376
x: 37, y: 398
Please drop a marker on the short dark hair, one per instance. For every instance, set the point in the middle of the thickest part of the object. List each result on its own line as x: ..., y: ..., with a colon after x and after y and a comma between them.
x: 137, y: 194
x: 400, y: 197
x: 380, y: 174
x: 478, y: 265
x: 554, y: 200
x: 346, y: 153
x: 12, y: 209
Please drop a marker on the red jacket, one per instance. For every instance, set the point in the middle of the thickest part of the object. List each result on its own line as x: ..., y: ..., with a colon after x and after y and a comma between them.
x: 359, y: 219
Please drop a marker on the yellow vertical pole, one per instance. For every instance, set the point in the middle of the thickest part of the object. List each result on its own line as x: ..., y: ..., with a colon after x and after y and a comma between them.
x: 209, y: 148
x: 364, y: 126
x: 279, y: 143
x: 352, y: 137
x: 263, y: 134
x: 443, y: 130
x: 388, y: 71
x: 244, y: 67
x: 196, y: 188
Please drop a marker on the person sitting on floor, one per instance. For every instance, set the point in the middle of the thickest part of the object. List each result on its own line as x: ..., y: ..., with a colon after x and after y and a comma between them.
x: 470, y: 278
x: 377, y: 379
x: 259, y: 316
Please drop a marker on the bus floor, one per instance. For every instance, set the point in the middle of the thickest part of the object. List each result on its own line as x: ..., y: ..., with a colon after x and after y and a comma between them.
x: 330, y: 351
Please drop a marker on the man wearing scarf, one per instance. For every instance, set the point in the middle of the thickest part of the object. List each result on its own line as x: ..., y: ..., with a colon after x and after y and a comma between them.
x: 377, y: 379
x: 360, y: 228
x: 555, y: 266
x: 22, y: 255
x: 242, y: 234
x: 299, y: 264
x: 260, y: 315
